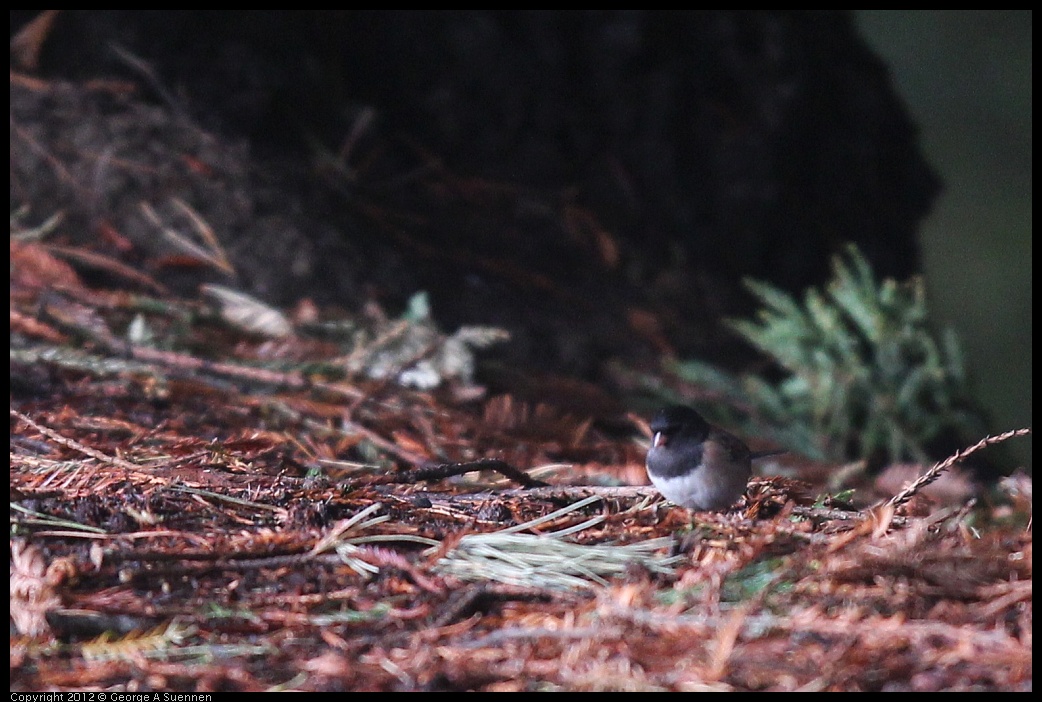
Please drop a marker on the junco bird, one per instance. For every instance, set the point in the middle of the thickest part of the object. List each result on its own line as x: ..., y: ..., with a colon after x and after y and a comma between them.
x: 696, y: 464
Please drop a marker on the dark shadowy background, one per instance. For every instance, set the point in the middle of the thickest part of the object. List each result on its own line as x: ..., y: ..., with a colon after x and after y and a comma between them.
x: 966, y: 79
x: 596, y: 182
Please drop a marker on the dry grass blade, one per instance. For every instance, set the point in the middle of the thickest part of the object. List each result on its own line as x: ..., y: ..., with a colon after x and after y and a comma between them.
x: 227, y: 498
x: 36, y: 518
x: 337, y: 534
x: 55, y: 436
x: 212, y: 254
x: 108, y: 264
x: 548, y: 560
x: 37, y: 233
x: 349, y: 548
x: 27, y: 44
x: 938, y: 468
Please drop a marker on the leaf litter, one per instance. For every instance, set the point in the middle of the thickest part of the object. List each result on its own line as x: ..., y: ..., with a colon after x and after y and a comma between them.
x: 238, y: 521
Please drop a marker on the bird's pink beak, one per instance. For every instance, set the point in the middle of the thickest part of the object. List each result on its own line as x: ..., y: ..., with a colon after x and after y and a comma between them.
x: 658, y: 439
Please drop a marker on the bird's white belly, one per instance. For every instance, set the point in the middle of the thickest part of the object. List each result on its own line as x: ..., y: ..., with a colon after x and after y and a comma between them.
x: 696, y: 492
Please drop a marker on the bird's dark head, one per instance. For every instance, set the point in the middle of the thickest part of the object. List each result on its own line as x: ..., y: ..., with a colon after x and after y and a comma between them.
x: 678, y: 420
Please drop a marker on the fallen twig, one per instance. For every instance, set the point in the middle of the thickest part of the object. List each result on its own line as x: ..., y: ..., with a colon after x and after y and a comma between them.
x: 448, y: 470
x: 935, y: 471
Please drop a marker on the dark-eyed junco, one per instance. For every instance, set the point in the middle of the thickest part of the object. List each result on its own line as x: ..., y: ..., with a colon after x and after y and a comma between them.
x: 696, y: 464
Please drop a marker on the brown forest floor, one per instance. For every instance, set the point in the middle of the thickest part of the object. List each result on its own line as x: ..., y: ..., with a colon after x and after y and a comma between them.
x: 183, y: 521
x: 208, y: 495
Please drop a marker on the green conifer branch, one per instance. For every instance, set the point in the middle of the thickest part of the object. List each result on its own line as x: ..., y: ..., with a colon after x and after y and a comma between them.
x: 864, y: 373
